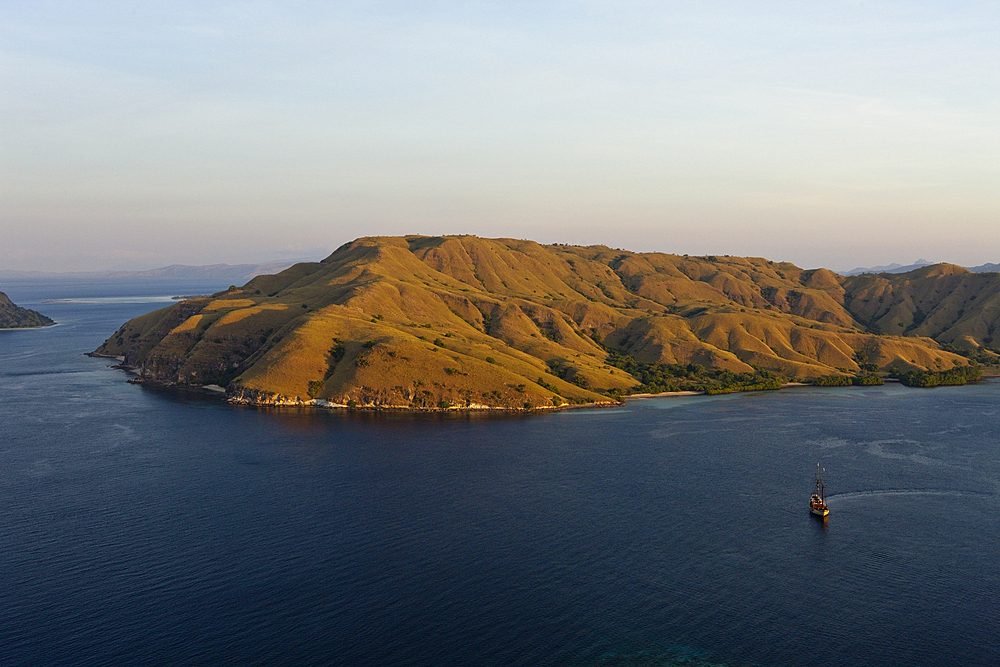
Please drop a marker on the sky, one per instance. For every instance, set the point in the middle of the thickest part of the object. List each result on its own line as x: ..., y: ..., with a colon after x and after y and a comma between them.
x: 826, y: 133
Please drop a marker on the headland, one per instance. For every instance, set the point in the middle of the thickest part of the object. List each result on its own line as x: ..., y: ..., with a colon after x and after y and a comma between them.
x: 13, y: 316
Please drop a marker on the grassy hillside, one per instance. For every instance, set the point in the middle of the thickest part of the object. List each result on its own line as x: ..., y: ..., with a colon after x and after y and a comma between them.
x: 15, y: 317
x: 429, y: 322
x: 948, y: 303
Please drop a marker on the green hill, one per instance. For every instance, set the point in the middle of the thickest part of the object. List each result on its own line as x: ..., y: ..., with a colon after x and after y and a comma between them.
x: 428, y: 322
x: 15, y: 317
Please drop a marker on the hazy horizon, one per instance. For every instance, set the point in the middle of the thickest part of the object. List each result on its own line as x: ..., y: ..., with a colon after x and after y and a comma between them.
x: 140, y: 269
x: 836, y: 134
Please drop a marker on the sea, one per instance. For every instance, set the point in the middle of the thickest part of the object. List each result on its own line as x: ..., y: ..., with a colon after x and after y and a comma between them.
x: 143, y: 526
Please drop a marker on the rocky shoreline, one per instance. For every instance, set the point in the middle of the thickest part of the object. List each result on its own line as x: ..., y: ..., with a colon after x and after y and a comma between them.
x: 246, y: 396
x: 236, y: 395
x: 253, y: 397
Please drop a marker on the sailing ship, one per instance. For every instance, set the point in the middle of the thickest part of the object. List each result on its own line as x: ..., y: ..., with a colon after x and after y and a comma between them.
x: 817, y: 502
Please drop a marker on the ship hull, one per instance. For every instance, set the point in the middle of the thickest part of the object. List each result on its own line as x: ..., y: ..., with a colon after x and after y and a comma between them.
x: 819, y: 512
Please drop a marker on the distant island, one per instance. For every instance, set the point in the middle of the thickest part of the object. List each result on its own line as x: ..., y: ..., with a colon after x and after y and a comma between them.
x: 461, y: 322
x: 228, y: 272
x: 15, y: 317
x: 919, y: 264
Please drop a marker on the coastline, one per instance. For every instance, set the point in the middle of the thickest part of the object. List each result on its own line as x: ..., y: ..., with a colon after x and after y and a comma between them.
x: 43, y: 326
x: 279, y: 401
x: 322, y: 404
x: 663, y: 394
x: 702, y: 393
x: 98, y: 355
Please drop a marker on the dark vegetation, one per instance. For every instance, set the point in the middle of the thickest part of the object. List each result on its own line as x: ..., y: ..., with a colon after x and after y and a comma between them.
x: 953, y: 377
x: 833, y: 381
x: 863, y: 379
x: 656, y: 378
x: 980, y: 355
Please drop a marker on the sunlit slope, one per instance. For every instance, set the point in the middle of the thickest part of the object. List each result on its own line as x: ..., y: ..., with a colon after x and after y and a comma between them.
x: 425, y: 322
x: 946, y: 302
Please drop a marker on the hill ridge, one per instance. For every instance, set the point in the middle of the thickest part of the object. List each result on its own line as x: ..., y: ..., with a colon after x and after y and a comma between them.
x: 430, y: 322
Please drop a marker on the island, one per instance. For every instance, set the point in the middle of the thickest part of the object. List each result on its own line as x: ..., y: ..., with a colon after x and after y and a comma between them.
x: 462, y: 322
x: 15, y: 317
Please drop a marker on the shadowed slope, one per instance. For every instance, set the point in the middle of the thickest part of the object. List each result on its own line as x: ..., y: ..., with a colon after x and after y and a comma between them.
x: 14, y: 317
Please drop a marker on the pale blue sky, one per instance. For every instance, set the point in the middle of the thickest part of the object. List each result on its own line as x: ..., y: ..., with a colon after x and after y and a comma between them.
x: 138, y: 134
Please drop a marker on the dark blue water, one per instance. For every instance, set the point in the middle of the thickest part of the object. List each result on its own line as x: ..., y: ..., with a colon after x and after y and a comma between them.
x: 153, y: 527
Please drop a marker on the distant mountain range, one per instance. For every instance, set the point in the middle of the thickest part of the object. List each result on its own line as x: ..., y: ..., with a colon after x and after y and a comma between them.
x: 237, y: 273
x: 986, y: 268
x: 919, y: 264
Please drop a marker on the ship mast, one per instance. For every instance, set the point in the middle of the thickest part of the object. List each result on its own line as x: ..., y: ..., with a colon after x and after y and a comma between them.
x: 817, y: 503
